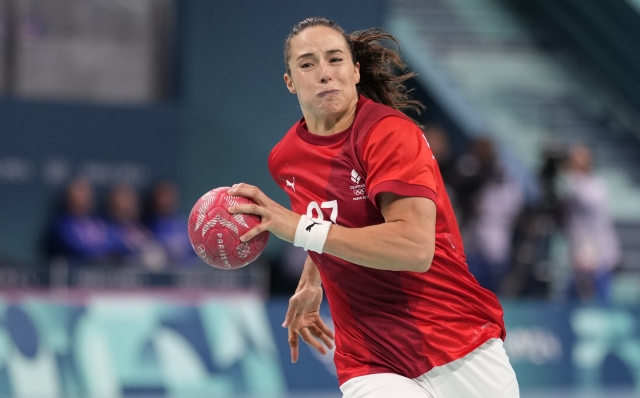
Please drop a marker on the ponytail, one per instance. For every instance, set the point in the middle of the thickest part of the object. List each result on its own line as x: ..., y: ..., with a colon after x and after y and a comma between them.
x: 382, y: 71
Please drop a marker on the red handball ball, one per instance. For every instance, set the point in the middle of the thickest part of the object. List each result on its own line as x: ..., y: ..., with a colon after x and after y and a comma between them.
x: 215, y: 233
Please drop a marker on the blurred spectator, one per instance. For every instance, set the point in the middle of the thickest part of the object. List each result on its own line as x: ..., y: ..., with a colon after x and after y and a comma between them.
x: 133, y: 242
x: 469, y: 175
x: 593, y: 244
x: 76, y: 233
x: 168, y: 227
x: 490, y: 226
x: 439, y: 143
x: 536, y: 227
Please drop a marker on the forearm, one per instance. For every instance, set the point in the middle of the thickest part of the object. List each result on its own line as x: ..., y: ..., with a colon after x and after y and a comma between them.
x: 390, y: 246
x: 404, y: 242
x: 310, y: 275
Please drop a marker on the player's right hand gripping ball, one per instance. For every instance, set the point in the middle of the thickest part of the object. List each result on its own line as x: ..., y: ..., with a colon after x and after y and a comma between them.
x: 215, y: 233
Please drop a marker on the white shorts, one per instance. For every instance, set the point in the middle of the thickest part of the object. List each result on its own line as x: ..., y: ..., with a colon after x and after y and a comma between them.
x: 484, y: 372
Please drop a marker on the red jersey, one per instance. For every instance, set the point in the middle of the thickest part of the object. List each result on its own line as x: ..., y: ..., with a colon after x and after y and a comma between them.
x: 385, y: 321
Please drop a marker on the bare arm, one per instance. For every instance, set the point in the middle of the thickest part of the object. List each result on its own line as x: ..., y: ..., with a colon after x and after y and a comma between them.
x: 310, y: 275
x: 404, y: 242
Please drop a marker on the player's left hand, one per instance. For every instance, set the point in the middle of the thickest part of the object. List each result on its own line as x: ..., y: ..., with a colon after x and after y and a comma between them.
x: 275, y: 218
x: 303, y: 319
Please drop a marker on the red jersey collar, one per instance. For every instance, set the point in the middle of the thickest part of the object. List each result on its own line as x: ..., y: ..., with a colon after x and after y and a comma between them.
x: 324, y: 140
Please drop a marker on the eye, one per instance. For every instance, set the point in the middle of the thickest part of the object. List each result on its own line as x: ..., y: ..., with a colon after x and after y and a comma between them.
x: 336, y: 59
x: 305, y: 65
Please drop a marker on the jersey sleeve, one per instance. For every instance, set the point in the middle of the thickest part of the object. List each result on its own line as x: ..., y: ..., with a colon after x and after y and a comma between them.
x: 398, y: 159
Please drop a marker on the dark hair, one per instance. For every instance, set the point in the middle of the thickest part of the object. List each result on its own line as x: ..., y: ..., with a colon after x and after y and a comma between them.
x: 382, y: 72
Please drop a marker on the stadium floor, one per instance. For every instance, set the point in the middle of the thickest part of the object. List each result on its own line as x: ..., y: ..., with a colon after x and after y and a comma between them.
x: 580, y: 394
x: 543, y: 393
x: 552, y: 393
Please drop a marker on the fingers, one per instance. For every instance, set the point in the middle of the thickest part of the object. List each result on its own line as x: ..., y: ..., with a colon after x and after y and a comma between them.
x: 248, y: 191
x: 253, y: 233
x: 275, y: 218
x: 318, y: 333
x: 324, y: 328
x: 293, y: 344
x: 309, y: 339
x: 307, y: 335
x: 248, y: 208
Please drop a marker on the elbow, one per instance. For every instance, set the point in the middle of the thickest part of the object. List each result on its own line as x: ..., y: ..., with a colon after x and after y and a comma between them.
x: 423, y: 259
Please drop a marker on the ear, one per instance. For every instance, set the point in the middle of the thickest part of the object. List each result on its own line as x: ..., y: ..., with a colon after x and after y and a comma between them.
x: 289, y: 82
x: 357, y: 72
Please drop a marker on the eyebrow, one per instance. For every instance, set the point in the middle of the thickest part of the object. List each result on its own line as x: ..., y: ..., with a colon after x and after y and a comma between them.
x: 311, y: 55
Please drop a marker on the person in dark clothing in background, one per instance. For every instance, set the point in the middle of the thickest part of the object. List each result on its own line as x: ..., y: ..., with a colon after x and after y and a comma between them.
x: 169, y: 227
x: 134, y: 244
x: 77, y: 234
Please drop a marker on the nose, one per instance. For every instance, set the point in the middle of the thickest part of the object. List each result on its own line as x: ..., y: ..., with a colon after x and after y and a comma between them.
x: 325, y: 76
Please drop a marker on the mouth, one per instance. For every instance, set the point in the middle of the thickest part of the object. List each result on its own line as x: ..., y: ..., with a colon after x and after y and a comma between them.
x: 329, y: 92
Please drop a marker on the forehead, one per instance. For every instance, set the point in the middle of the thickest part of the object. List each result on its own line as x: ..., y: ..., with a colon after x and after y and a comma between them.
x: 317, y: 38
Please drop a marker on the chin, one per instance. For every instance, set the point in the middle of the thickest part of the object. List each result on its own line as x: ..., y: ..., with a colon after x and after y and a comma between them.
x: 332, y: 106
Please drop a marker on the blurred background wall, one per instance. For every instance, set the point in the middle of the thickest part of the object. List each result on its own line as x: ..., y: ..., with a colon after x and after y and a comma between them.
x: 211, y: 123
x: 132, y: 109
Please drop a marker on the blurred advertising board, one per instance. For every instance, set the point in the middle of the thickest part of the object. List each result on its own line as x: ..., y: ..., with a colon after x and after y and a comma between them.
x: 121, y: 345
x: 109, y: 51
x: 582, y: 347
x: 93, y: 344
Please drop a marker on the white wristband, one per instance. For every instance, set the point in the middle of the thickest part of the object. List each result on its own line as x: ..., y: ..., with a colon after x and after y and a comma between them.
x: 311, y: 234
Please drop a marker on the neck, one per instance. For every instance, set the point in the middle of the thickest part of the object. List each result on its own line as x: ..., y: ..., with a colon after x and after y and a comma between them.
x: 324, y: 126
